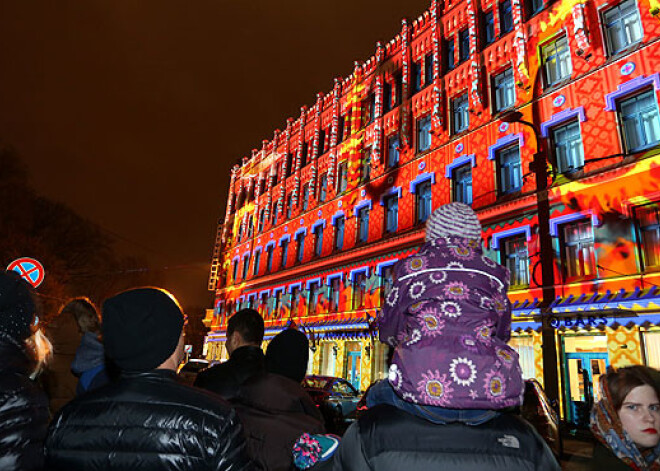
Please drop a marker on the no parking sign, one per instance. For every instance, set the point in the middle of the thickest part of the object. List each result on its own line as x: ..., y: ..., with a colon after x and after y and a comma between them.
x: 30, y: 270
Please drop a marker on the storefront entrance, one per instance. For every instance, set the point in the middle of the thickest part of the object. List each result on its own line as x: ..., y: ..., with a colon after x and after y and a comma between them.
x: 585, y: 360
x: 353, y: 360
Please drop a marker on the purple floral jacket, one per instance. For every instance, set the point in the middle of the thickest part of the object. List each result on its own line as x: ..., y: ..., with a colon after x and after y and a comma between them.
x: 449, y: 318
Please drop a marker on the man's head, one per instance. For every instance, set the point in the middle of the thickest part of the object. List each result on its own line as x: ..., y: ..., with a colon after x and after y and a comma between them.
x: 17, y: 307
x: 244, y: 328
x: 85, y: 313
x: 143, y: 330
x: 287, y: 354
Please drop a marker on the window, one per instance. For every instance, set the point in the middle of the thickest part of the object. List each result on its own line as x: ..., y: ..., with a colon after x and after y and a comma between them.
x: 363, y: 225
x: 449, y: 51
x: 506, y: 17
x: 318, y: 240
x: 335, y: 286
x: 369, y: 109
x: 505, y: 93
x: 516, y: 259
x: 365, y: 169
x: 295, y: 299
x: 303, y: 154
x: 359, y: 290
x: 345, y: 128
x: 424, y: 204
x: 393, y: 143
x: 623, y: 27
x: 391, y: 213
x: 262, y: 220
x: 257, y: 259
x: 305, y: 194
x: 313, y: 298
x: 275, y: 213
x: 532, y: 7
x: 509, y: 172
x: 262, y: 186
x: 240, y: 231
x: 289, y: 206
x: 300, y: 246
x: 269, y: 259
x: 342, y: 177
x: 567, y: 141
x: 285, y: 251
x: 289, y: 164
x: 398, y: 83
x: 275, y: 175
x: 387, y: 97
x: 488, y: 28
x: 578, y: 249
x: 386, y: 282
x: 321, y: 144
x: 235, y: 271
x: 278, y: 303
x: 556, y: 61
x: 323, y: 187
x: 416, y: 76
x: 250, y: 227
x: 463, y: 46
x: 340, y: 222
x: 640, y: 120
x: 428, y: 69
x: 463, y: 184
x: 263, y: 302
x: 460, y: 114
x: 648, y: 226
x: 424, y: 134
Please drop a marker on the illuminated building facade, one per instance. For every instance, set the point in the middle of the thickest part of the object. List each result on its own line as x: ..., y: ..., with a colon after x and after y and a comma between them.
x: 317, y: 216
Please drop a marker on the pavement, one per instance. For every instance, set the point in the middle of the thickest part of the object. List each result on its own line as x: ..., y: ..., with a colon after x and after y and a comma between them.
x: 578, y: 450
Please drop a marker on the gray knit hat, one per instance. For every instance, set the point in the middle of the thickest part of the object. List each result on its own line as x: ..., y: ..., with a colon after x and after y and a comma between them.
x: 453, y: 220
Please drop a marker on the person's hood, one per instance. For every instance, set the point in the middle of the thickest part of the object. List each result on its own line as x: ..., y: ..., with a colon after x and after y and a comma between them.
x: 277, y: 394
x: 89, y: 354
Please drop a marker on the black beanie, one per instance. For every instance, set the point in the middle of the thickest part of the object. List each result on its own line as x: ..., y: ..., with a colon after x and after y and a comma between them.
x: 287, y: 355
x: 141, y: 328
x: 17, y: 308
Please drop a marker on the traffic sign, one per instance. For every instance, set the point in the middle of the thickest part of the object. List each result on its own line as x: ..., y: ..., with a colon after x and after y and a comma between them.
x: 30, y: 270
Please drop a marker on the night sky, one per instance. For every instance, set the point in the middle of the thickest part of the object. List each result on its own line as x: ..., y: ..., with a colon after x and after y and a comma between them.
x: 133, y: 112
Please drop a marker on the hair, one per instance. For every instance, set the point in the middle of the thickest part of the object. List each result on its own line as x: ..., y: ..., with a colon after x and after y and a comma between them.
x: 86, y: 314
x: 624, y: 380
x: 249, y: 324
x: 41, y: 350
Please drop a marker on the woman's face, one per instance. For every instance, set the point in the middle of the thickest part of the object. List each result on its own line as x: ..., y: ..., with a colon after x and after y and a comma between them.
x: 640, y: 416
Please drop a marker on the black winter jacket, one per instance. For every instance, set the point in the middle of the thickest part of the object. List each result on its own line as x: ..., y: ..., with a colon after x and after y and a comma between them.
x: 23, y: 411
x: 226, y: 378
x: 386, y: 438
x: 275, y: 411
x: 146, y: 421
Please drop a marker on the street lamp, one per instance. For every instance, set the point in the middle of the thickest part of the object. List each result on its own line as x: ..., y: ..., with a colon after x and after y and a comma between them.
x: 546, y: 252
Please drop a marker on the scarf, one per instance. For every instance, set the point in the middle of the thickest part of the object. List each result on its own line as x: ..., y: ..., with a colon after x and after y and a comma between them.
x: 607, y: 428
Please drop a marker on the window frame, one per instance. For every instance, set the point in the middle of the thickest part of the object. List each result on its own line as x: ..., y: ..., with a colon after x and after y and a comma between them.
x: 503, y: 80
x: 565, y: 246
x: 511, y: 258
x: 420, y: 198
x: 561, y: 58
x: 391, y: 210
x: 607, y: 27
x: 651, y: 93
x: 643, y: 248
x: 504, y: 187
x: 458, y: 184
x: 424, y: 123
x: 558, y: 144
x: 362, y: 233
x: 460, y: 110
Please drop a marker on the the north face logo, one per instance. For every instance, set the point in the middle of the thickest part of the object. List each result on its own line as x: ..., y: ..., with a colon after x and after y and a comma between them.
x: 509, y: 441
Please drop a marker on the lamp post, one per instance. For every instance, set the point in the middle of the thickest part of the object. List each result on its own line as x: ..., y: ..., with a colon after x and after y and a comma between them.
x: 546, y: 254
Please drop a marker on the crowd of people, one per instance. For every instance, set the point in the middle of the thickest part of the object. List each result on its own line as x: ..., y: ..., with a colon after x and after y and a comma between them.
x: 451, y: 399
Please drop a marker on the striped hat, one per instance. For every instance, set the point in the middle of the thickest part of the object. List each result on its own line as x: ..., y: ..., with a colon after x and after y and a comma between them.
x: 453, y: 220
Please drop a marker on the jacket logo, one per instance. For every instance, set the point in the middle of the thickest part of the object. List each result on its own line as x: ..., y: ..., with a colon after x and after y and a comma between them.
x: 509, y: 441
